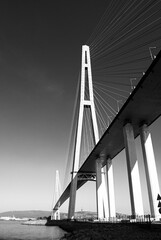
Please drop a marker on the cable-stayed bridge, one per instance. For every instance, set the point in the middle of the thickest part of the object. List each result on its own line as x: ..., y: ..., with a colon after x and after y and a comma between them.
x: 118, y: 98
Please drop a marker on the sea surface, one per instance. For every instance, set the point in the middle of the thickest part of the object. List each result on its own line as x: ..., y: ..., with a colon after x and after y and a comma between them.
x: 14, y: 230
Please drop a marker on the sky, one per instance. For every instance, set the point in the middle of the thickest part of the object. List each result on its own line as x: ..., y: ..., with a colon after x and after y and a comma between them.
x: 40, y: 52
x: 40, y: 55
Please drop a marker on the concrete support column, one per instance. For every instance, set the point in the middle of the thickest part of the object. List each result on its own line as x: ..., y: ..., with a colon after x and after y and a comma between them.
x: 100, y: 213
x: 110, y: 189
x: 133, y: 171
x: 73, y: 189
x: 101, y: 190
x: 150, y: 169
x: 105, y: 196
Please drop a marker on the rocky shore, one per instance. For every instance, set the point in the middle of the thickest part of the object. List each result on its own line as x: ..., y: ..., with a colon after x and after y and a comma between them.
x: 109, y: 231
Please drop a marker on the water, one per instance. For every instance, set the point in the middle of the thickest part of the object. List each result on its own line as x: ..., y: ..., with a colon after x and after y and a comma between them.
x: 14, y: 230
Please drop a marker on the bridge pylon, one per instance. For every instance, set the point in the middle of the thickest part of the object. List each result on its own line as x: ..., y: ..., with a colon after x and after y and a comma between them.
x: 85, y: 102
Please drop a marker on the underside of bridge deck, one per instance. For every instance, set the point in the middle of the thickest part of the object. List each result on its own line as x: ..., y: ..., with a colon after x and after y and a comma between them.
x: 142, y: 106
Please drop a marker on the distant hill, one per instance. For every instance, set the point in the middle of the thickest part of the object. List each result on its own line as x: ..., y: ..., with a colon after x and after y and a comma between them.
x: 39, y: 213
x: 27, y: 214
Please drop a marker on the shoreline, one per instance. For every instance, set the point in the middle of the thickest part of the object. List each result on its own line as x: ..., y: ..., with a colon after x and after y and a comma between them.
x: 101, y: 231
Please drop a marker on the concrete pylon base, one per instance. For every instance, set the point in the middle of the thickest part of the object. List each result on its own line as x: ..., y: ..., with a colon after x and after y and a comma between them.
x: 55, y: 215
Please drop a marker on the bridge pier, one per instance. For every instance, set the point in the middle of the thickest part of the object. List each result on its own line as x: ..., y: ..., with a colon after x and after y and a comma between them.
x: 133, y: 171
x: 101, y: 192
x: 110, y: 189
x: 73, y: 189
x: 150, y: 170
x: 100, y: 213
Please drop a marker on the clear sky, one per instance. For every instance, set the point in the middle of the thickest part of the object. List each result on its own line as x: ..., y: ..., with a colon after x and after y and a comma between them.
x: 40, y: 53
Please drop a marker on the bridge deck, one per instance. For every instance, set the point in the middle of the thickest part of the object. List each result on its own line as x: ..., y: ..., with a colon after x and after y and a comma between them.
x: 143, y: 105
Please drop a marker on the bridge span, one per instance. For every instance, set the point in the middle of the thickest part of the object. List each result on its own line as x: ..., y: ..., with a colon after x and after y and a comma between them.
x: 142, y: 108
